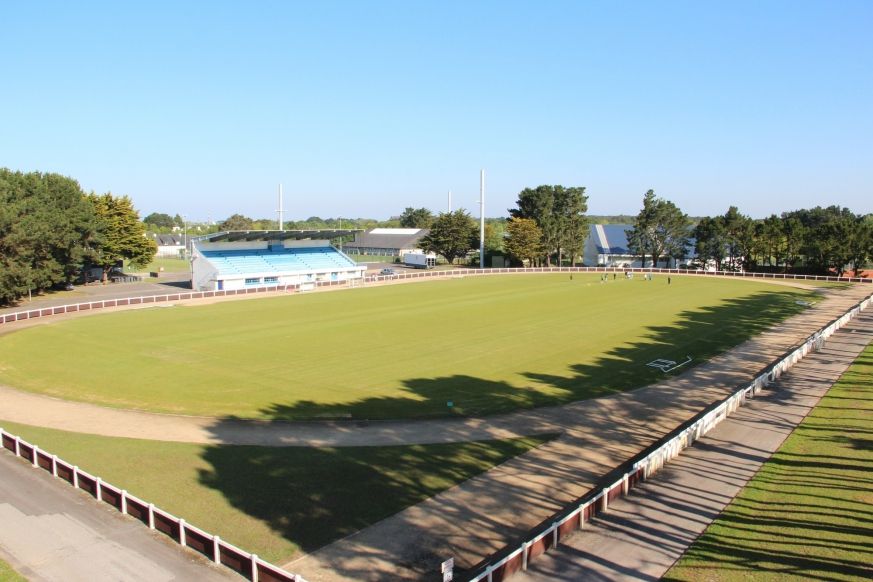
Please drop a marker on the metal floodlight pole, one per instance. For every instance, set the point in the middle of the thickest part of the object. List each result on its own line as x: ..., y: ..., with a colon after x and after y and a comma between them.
x: 281, y: 211
x: 482, y: 219
x: 450, y: 200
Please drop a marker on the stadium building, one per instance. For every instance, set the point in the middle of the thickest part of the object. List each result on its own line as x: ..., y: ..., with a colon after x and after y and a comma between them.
x: 236, y: 260
x: 607, y: 246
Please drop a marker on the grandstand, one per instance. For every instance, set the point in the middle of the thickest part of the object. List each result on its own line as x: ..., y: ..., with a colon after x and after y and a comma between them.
x: 236, y: 260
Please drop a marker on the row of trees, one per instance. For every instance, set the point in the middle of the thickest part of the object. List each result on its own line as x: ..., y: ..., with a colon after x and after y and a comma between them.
x: 50, y: 230
x: 817, y: 240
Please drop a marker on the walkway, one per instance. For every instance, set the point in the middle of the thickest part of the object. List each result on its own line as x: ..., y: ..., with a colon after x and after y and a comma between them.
x: 643, y: 534
x: 51, y: 532
x: 488, y: 512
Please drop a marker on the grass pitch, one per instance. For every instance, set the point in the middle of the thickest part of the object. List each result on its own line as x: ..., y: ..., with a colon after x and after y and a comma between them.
x: 487, y: 344
x: 276, y: 501
x: 807, y: 514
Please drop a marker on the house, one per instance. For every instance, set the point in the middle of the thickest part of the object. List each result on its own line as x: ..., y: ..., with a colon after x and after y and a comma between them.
x: 169, y: 245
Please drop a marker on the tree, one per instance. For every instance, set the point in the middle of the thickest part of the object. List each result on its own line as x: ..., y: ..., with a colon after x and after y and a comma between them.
x: 160, y: 220
x: 451, y: 235
x: 45, y: 226
x: 559, y: 212
x: 122, y: 235
x: 237, y: 222
x: 525, y: 240
x: 660, y: 229
x: 494, y: 231
x: 710, y: 241
x: 416, y: 218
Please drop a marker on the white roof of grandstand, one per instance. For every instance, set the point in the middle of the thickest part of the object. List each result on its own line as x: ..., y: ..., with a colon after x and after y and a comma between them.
x: 400, y: 231
x: 257, y: 235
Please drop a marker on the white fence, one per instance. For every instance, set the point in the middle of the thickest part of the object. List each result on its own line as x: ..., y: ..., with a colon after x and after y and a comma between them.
x: 414, y: 275
x: 505, y: 563
x: 219, y: 551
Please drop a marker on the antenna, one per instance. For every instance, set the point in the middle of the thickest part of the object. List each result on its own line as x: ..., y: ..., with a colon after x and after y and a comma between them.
x: 281, y: 211
x: 482, y: 219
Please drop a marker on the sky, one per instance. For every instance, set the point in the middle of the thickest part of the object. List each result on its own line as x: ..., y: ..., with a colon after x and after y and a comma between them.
x: 361, y: 109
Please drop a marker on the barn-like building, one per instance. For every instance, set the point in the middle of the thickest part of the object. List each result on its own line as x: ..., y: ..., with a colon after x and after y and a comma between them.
x: 240, y: 259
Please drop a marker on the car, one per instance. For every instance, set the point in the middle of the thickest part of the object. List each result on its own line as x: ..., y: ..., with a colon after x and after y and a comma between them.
x: 387, y: 271
x: 68, y: 287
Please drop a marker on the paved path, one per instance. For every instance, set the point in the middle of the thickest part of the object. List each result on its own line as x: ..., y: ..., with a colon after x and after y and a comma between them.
x: 730, y: 369
x: 644, y: 534
x: 51, y: 532
x: 488, y: 512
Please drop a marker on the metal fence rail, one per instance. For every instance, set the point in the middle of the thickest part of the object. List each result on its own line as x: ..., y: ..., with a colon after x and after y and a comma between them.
x: 219, y: 551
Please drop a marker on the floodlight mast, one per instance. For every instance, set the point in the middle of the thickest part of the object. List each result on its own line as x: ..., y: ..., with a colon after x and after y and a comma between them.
x: 482, y: 219
x: 281, y: 211
x: 450, y: 200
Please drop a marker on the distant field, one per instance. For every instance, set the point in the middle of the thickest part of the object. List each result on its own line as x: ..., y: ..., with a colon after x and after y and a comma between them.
x: 169, y: 265
x: 487, y: 344
x: 807, y: 514
x: 276, y: 501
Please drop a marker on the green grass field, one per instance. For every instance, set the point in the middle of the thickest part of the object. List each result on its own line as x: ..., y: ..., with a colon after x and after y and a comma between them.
x: 169, y: 264
x: 276, y: 501
x: 489, y: 344
x: 7, y: 574
x: 807, y: 514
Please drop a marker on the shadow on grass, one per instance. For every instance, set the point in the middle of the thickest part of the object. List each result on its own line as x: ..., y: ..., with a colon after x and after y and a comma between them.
x: 313, y: 496
x: 700, y: 333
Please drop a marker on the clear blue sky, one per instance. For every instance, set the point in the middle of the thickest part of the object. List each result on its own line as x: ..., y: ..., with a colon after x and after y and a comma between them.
x: 364, y: 108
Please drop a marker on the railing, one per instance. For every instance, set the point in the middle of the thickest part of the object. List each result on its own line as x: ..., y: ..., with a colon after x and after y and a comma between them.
x: 189, y: 295
x: 548, y: 534
x: 214, y: 548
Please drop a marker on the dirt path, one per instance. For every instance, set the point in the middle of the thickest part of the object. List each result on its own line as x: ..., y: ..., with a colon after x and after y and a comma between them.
x: 730, y: 369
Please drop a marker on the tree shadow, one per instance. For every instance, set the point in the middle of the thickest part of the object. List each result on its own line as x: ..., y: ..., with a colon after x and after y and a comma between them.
x: 312, y: 496
x: 699, y: 333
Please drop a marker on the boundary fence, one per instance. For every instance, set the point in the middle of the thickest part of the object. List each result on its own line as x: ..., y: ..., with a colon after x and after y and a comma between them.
x: 618, y: 483
x: 177, y: 529
x: 414, y: 275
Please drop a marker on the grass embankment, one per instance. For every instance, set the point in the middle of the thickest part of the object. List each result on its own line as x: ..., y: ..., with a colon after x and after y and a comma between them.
x: 488, y: 344
x: 167, y: 264
x: 808, y: 513
x: 7, y: 574
x: 276, y: 501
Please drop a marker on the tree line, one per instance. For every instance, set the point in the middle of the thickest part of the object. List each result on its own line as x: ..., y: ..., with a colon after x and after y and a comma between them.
x: 50, y: 230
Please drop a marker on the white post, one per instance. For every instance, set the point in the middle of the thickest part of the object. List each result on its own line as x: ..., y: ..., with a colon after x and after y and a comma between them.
x: 76, y: 476
x: 281, y: 210
x: 216, y: 550
x: 54, y: 465
x: 124, y: 501
x: 182, y: 532
x: 450, y: 200
x: 151, y: 516
x: 524, y: 549
x: 555, y: 535
x: 35, y: 455
x: 98, y: 487
x: 17, y: 447
x: 605, y: 499
x: 482, y: 219
x: 254, y: 568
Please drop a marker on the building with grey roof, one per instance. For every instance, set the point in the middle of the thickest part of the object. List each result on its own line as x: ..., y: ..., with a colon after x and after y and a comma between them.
x: 394, y: 242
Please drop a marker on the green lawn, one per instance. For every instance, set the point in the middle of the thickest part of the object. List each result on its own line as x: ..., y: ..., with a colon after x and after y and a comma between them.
x: 276, y: 501
x: 488, y: 344
x: 170, y: 265
x: 7, y: 574
x: 808, y: 513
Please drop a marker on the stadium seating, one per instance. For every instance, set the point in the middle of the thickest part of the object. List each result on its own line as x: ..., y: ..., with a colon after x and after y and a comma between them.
x: 281, y: 260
